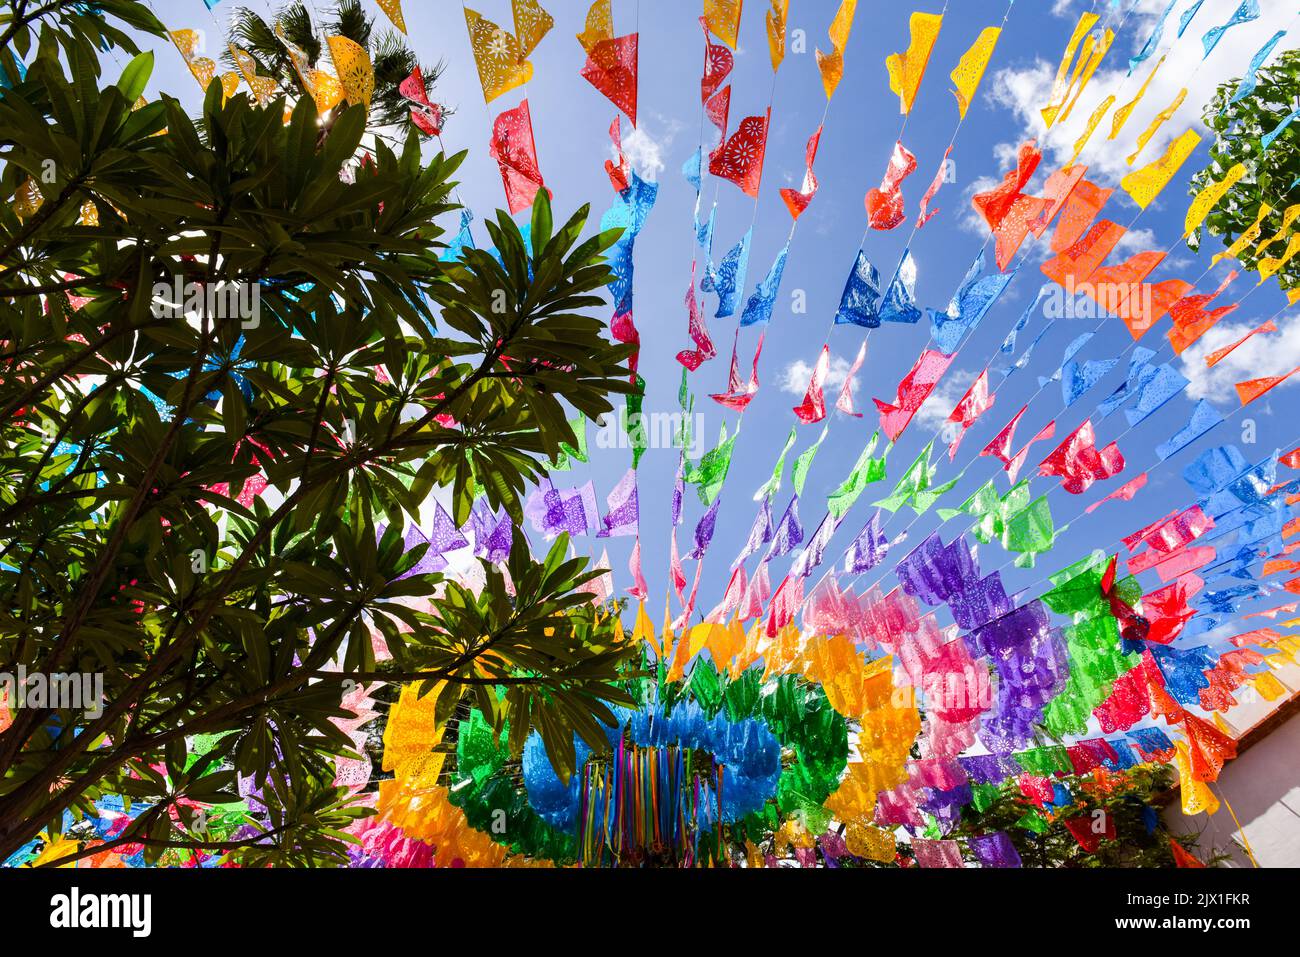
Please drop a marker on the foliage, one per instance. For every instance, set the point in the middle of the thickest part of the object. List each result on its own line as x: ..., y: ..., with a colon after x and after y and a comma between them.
x: 1270, y: 176
x: 1131, y: 808
x: 392, y: 59
x: 133, y: 542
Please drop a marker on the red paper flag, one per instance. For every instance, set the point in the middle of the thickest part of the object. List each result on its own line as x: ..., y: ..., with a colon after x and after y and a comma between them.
x: 1058, y: 192
x: 926, y: 214
x: 639, y: 588
x: 845, y: 401
x: 797, y: 200
x: 785, y: 604
x: 1018, y: 460
x: 1125, y: 492
x: 813, y: 407
x: 704, y: 349
x: 1208, y: 748
x: 760, y: 590
x: 885, y: 205
x: 1000, y: 447
x: 994, y: 204
x: 426, y: 115
x: 718, y: 61
x: 1166, y: 608
x: 618, y: 174
x: 611, y: 68
x: 1083, y: 831
x: 1292, y: 458
x: 624, y: 330
x: 912, y: 392
x: 1079, y: 462
x: 740, y: 158
x: 1274, y: 612
x: 731, y: 599
x: 513, y: 148
x: 973, y: 404
x: 739, y: 393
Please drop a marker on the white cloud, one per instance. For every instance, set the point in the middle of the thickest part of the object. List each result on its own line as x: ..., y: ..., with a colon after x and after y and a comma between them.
x: 1272, y: 353
x: 646, y: 151
x: 1137, y: 241
x: 1025, y: 91
x: 796, y: 376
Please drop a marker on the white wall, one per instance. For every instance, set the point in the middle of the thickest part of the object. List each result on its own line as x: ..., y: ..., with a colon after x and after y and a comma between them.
x: 1262, y: 785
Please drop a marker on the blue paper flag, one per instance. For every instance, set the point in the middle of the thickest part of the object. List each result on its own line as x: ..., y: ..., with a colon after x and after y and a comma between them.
x: 1204, y: 417
x: 759, y: 307
x: 858, y: 303
x: 899, y: 304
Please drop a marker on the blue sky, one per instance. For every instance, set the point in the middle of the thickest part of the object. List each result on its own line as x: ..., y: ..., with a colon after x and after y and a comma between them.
x: 571, y: 120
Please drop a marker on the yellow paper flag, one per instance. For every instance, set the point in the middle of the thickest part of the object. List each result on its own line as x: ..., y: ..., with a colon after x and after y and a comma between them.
x: 1288, y: 218
x: 27, y: 199
x: 187, y: 42
x: 229, y: 84
x: 1122, y: 114
x: 1160, y: 119
x: 409, y: 742
x: 393, y: 10
x: 1093, y: 120
x: 1268, y: 266
x: 723, y: 18
x: 325, y: 90
x: 970, y: 68
x: 1145, y: 184
x: 355, y: 72
x: 501, y: 65
x: 599, y: 25
x: 907, y: 69
x: 1246, y: 238
x: 1065, y: 95
x: 776, y: 18
x: 1209, y: 197
x: 531, y: 24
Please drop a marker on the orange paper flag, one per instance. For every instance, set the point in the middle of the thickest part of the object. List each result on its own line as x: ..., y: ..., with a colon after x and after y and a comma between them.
x: 723, y: 17
x: 1252, y: 389
x: 831, y: 65
x: 1218, y: 355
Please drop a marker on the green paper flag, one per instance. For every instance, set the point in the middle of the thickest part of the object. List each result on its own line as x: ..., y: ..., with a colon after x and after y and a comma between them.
x: 865, y: 471
x: 914, y: 487
x: 634, y: 422
x: 1029, y: 531
x: 773, y: 485
x: 799, y: 474
x: 569, y: 454
x: 711, y: 471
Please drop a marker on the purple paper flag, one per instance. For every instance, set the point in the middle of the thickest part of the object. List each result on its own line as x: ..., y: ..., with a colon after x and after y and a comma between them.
x: 624, y: 511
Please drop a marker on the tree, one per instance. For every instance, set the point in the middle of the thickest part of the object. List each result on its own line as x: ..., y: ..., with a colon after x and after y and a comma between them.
x: 394, y: 62
x: 229, y: 377
x: 1271, y: 174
